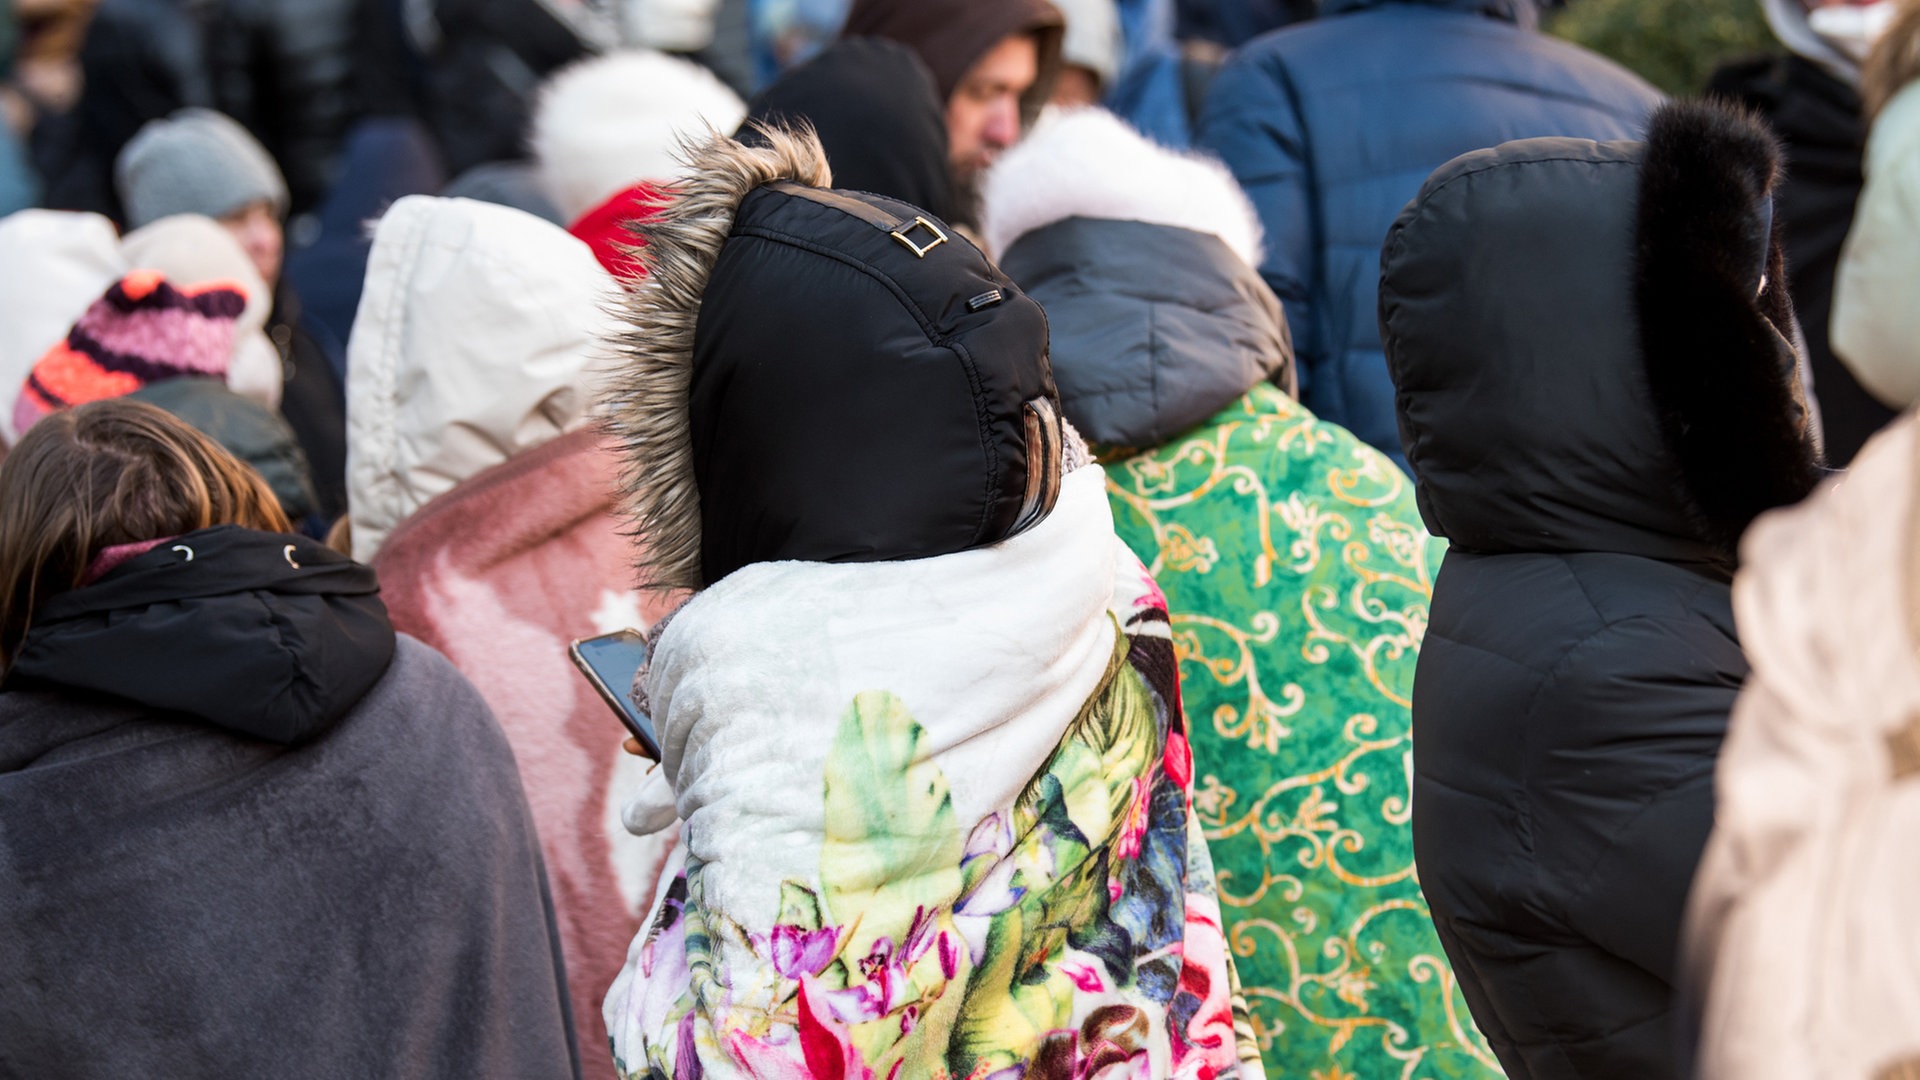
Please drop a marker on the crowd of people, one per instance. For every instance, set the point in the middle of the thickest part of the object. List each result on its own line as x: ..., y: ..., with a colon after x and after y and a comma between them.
x: 1173, y: 538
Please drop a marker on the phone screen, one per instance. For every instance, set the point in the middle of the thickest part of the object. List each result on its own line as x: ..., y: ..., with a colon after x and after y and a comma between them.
x: 610, y: 662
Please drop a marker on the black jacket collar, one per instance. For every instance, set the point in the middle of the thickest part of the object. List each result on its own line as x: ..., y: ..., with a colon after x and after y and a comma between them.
x: 265, y: 634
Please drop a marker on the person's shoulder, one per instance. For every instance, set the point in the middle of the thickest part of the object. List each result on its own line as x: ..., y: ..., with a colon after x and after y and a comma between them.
x: 1601, y: 79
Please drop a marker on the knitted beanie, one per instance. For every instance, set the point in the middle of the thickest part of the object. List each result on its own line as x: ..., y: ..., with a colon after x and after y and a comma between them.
x: 196, y: 161
x: 142, y: 331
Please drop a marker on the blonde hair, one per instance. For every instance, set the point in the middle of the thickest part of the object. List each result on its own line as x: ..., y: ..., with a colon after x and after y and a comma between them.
x: 111, y: 472
x: 1894, y: 62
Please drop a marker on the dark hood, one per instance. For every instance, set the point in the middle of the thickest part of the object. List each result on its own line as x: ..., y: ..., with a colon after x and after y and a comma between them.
x: 1524, y: 12
x: 877, y: 112
x: 265, y: 634
x: 1153, y: 328
x: 1580, y: 357
x: 951, y: 35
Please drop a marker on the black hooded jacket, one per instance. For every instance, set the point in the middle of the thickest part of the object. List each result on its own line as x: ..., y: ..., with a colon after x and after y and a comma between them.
x: 1596, y: 396
x: 264, y: 634
x: 877, y: 112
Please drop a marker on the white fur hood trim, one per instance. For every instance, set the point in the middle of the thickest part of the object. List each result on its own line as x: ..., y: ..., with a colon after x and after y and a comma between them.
x: 607, y: 123
x: 1090, y: 163
x: 476, y: 340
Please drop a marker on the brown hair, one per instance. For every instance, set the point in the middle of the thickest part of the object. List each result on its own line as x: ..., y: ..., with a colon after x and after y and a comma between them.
x: 1895, y: 60
x: 106, y: 473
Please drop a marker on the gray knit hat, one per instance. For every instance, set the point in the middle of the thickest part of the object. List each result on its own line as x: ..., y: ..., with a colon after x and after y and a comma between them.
x: 196, y: 161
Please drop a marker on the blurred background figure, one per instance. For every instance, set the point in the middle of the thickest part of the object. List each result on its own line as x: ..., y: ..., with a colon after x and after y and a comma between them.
x: 1091, y: 52
x: 994, y: 62
x: 879, y: 117
x: 1811, y: 97
x: 53, y: 266
x: 1330, y: 149
x: 1800, y: 928
x: 201, y: 162
x: 604, y: 137
x: 484, y: 498
x: 241, y: 795
x: 1172, y: 357
x: 1876, y: 314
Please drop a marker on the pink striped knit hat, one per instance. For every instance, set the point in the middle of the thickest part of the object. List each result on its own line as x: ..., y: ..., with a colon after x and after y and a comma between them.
x: 144, y: 330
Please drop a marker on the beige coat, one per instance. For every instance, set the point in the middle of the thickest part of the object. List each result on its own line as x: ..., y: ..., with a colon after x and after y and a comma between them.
x: 1876, y: 296
x: 1803, y: 929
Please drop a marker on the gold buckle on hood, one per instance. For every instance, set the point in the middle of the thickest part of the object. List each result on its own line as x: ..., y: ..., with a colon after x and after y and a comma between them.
x: 900, y: 234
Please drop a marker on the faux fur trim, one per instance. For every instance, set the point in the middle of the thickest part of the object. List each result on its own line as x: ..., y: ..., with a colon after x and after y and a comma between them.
x: 1718, y: 346
x: 1090, y: 163
x: 647, y: 395
x: 606, y: 123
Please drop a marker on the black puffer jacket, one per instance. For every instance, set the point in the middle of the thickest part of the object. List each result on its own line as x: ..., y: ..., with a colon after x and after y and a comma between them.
x: 286, y: 69
x: 1596, y: 397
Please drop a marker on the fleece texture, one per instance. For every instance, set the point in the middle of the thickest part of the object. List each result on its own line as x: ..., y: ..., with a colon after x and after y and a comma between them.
x: 500, y: 574
x: 606, y: 123
x: 369, y: 904
x: 1089, y: 163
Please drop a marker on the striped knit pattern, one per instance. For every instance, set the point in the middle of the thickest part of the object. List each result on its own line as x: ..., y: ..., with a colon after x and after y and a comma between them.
x: 144, y: 330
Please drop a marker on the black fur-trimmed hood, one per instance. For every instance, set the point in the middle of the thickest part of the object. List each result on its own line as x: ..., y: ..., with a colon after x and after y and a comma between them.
x: 1591, y: 344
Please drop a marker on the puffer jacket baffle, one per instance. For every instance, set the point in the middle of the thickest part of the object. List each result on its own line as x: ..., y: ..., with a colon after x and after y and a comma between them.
x: 1597, y: 392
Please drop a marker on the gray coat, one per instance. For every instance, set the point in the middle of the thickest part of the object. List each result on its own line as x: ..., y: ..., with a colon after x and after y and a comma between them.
x: 179, y: 901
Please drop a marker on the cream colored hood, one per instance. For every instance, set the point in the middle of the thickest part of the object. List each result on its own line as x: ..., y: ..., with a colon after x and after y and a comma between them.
x: 475, y: 341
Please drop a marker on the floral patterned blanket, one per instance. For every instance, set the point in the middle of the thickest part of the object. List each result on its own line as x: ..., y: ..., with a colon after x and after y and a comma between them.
x: 1299, y: 575
x: 957, y: 841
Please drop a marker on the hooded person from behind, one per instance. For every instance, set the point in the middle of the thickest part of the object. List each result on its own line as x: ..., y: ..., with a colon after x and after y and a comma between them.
x: 921, y: 718
x: 603, y: 136
x: 878, y: 115
x: 233, y: 794
x: 1810, y: 95
x: 1296, y: 571
x: 1593, y: 350
x: 486, y: 500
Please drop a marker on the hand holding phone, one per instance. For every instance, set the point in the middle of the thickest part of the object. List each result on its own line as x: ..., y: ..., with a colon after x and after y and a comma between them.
x: 610, y: 663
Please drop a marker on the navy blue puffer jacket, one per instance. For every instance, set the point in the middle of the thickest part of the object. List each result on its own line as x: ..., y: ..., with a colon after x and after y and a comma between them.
x: 1332, y: 125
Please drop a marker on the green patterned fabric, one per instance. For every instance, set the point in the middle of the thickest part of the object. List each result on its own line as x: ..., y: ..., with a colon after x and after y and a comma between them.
x: 1298, y: 576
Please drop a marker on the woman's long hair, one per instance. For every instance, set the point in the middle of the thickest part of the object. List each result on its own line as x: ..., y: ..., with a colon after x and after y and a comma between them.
x: 1895, y: 60
x: 111, y: 472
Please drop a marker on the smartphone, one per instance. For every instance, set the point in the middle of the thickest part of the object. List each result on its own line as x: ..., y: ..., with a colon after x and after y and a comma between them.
x: 610, y: 662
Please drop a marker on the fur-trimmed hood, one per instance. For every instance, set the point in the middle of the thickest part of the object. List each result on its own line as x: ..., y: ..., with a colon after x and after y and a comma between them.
x: 603, y: 124
x: 1591, y: 343
x: 1090, y: 163
x: 1144, y: 260
x: 822, y: 376
x: 477, y: 340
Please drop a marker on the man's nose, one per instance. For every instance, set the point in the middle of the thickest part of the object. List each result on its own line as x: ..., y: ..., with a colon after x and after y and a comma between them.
x: 1003, y: 124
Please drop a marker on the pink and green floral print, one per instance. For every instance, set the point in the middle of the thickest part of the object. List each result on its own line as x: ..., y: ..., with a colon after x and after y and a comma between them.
x: 1071, y: 936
